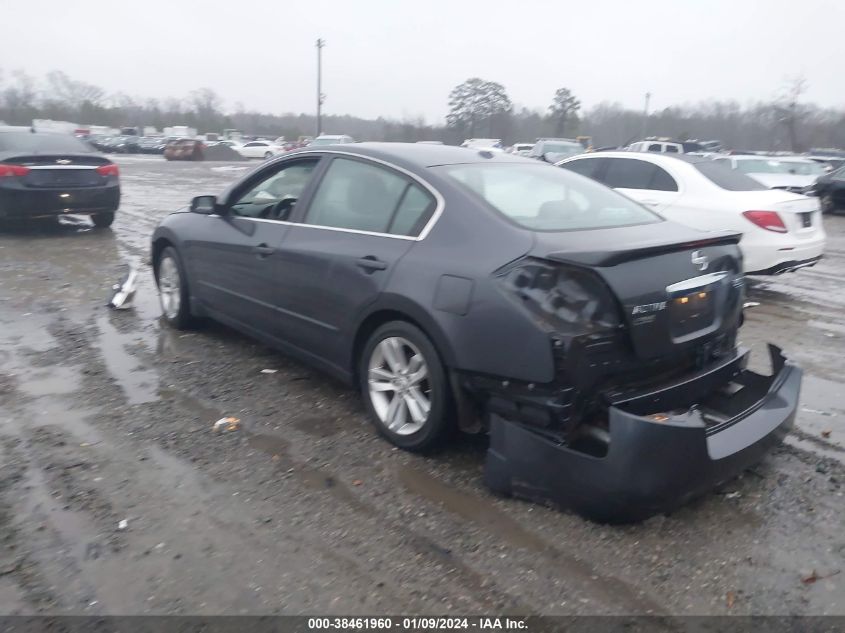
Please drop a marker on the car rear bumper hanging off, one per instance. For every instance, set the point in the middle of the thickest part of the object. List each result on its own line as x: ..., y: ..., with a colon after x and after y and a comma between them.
x: 654, y: 463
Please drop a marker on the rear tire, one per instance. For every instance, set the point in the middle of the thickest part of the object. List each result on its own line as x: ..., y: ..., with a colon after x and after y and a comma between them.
x: 103, y: 220
x: 827, y: 204
x: 173, y: 289
x: 405, y: 387
x: 268, y: 155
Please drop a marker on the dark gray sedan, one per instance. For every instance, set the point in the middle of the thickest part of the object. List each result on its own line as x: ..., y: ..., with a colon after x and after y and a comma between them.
x: 592, y: 339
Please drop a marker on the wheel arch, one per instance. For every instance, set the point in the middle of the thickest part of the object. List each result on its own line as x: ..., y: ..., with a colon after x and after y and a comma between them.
x: 397, y: 309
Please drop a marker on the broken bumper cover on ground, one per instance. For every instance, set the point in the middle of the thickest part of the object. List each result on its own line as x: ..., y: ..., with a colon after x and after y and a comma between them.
x: 651, y: 466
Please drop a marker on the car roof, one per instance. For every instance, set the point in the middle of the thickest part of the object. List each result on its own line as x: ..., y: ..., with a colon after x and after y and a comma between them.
x: 655, y: 156
x: 420, y: 154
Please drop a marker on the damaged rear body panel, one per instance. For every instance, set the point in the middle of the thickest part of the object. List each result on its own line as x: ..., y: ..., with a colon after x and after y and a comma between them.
x: 651, y: 402
x: 661, y: 448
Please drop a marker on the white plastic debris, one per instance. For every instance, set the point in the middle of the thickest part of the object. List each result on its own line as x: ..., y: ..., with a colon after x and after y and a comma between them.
x: 269, y: 371
x: 123, y: 524
x: 124, y: 291
x: 229, y: 423
x: 750, y: 304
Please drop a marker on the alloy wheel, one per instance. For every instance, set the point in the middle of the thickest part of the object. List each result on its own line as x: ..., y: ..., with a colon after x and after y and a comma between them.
x: 398, y: 384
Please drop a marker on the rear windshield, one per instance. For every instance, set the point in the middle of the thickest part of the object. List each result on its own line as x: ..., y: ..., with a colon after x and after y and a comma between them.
x: 29, y: 143
x: 543, y: 198
x: 727, y: 178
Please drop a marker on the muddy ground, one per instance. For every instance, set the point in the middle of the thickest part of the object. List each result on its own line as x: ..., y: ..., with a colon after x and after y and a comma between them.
x: 107, y: 417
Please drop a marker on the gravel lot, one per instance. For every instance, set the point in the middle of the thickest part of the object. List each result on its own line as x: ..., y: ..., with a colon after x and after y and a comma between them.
x: 107, y: 417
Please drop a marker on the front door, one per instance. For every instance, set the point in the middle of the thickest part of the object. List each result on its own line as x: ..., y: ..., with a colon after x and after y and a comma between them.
x: 237, y: 262
x: 361, y: 220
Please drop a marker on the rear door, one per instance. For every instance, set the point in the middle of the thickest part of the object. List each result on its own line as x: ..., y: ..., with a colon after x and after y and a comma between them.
x: 236, y: 258
x: 363, y: 217
x: 643, y: 181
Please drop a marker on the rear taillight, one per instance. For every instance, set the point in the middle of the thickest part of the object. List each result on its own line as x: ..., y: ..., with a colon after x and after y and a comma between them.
x: 108, y: 170
x: 12, y: 170
x: 769, y: 220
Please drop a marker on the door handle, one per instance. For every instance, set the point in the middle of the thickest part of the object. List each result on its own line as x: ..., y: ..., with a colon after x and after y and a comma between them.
x: 371, y: 264
x: 262, y: 250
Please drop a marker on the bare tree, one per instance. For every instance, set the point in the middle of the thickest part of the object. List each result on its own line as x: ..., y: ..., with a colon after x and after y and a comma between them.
x: 789, y: 111
x: 476, y: 102
x: 564, y: 109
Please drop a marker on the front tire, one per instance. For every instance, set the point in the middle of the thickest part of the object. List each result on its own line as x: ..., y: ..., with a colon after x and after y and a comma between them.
x: 103, y: 220
x: 268, y: 155
x: 405, y: 387
x: 173, y: 289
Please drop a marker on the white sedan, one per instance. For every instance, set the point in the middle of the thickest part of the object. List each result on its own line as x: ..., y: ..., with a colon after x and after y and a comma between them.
x: 781, y: 231
x: 260, y: 149
x: 792, y: 173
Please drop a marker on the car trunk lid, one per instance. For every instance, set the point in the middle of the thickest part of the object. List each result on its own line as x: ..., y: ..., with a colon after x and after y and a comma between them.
x: 676, y: 287
x: 61, y: 170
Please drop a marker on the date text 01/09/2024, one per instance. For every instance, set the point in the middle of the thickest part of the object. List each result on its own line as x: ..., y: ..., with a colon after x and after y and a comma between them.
x: 416, y: 623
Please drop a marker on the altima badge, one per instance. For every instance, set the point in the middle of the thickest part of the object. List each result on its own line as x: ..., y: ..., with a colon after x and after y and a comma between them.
x: 699, y: 261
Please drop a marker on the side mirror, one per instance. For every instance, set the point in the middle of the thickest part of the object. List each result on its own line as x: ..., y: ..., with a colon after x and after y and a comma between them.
x: 205, y: 205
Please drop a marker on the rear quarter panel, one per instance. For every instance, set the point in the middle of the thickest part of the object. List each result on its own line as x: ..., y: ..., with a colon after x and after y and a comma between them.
x: 446, y: 283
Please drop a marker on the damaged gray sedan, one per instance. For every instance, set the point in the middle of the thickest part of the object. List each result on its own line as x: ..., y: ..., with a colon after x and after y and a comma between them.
x: 593, y: 340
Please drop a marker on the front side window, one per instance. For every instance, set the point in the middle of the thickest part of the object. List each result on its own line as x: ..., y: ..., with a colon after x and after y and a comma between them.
x: 544, y: 199
x: 365, y: 197
x: 274, y: 196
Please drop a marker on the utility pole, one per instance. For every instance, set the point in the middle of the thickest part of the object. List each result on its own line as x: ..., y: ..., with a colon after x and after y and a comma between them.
x: 645, y: 114
x: 320, y: 96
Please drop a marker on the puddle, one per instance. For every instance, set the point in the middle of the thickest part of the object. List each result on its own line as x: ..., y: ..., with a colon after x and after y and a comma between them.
x: 822, y: 410
x: 815, y: 448
x: 605, y: 589
x: 139, y: 385
x: 313, y: 478
x: 56, y: 412
x: 471, y: 507
x: 179, y: 474
x: 317, y: 427
x: 22, y: 334
x: 205, y: 411
x: 49, y: 381
x: 273, y: 445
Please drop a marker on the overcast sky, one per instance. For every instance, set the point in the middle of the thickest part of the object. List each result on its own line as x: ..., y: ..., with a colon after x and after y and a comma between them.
x: 400, y: 58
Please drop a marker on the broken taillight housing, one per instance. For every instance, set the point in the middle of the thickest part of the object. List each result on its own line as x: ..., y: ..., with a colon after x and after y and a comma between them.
x: 563, y: 298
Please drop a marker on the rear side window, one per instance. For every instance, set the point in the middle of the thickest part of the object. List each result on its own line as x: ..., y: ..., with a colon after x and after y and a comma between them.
x: 671, y: 149
x: 625, y: 173
x: 586, y: 166
x: 720, y: 174
x: 34, y: 143
x: 655, y: 147
x: 366, y: 197
x: 543, y: 199
x: 413, y: 212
